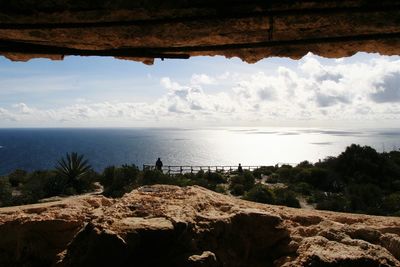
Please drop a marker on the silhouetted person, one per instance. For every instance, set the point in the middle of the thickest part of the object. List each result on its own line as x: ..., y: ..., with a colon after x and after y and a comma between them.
x: 159, y: 164
x: 240, y: 169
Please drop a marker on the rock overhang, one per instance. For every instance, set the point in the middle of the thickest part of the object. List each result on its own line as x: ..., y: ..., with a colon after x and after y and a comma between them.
x: 148, y: 29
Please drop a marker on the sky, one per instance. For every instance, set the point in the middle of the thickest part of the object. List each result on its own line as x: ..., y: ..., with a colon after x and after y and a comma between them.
x: 358, y: 91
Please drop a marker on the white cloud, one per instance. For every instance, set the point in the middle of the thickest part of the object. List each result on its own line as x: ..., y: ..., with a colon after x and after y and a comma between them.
x: 388, y: 89
x: 315, y: 91
x: 6, y: 115
x: 23, y: 108
x: 199, y: 79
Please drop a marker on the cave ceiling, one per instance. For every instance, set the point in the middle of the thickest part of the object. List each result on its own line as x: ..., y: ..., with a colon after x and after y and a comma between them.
x: 148, y: 29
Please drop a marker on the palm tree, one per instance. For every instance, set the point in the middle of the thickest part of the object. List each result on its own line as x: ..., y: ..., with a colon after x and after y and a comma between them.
x: 73, y: 166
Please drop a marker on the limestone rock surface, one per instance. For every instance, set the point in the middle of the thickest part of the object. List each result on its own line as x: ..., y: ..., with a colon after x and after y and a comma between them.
x: 148, y: 29
x: 172, y: 226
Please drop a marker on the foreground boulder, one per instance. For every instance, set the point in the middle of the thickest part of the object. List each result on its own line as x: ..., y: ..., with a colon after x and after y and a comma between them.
x: 192, y: 226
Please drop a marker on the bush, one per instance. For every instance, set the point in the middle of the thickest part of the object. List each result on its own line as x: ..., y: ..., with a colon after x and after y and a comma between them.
x: 237, y: 189
x: 118, y: 181
x: 305, y: 165
x: 313, y: 176
x: 246, y: 179
x: 179, y: 180
x: 107, y: 177
x: 365, y: 198
x: 302, y: 188
x: 391, y: 204
x: 260, y: 193
x: 151, y: 177
x: 215, y: 178
x: 73, y: 167
x: 285, y: 173
x: 53, y: 185
x: 286, y: 197
x: 5, y: 192
x: 334, y: 202
x: 17, y: 177
x: 264, y: 170
x: 42, y: 184
x: 85, y: 183
x: 273, y: 178
x: 220, y: 189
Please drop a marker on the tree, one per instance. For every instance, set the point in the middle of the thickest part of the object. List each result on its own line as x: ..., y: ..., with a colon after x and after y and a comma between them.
x: 359, y: 164
x: 73, y: 167
x: 305, y: 164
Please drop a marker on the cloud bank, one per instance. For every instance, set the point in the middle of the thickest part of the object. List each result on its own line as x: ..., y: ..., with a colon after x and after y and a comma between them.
x: 346, y: 91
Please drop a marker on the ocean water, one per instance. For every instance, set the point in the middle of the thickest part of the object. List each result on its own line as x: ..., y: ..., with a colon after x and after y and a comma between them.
x: 33, y: 149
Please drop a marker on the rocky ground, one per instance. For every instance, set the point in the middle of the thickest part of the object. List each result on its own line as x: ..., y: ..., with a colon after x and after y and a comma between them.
x: 172, y: 226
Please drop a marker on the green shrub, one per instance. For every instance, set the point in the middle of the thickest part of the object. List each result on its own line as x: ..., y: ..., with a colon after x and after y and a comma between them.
x: 246, y: 181
x: 334, y: 202
x: 286, y: 197
x: 215, y: 178
x: 312, y: 176
x: 41, y: 184
x: 179, y: 180
x: 107, y: 177
x: 365, y: 198
x: 273, y: 178
x: 118, y: 181
x: 305, y: 165
x: 391, y: 203
x: 260, y: 193
x: 285, y: 173
x: 237, y: 189
x: 5, y: 192
x: 17, y: 177
x: 264, y: 170
x: 151, y: 177
x: 85, y: 183
x: 302, y: 188
x: 53, y: 185
x: 72, y: 167
x: 221, y: 189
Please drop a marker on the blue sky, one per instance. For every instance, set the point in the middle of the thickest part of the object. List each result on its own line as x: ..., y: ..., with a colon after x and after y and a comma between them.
x: 107, y: 92
x: 105, y: 78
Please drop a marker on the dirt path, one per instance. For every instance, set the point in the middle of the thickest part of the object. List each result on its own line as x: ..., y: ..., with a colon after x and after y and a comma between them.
x: 304, y: 204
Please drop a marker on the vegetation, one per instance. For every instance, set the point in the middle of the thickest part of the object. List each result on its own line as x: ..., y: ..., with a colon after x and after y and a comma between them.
x: 73, y: 167
x: 72, y: 175
x: 359, y: 180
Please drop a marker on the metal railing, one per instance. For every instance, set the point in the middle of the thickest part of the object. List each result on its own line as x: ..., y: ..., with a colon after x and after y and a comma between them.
x: 195, y: 169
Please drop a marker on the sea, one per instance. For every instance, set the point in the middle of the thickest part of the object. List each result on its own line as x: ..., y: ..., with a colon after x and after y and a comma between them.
x: 36, y: 149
